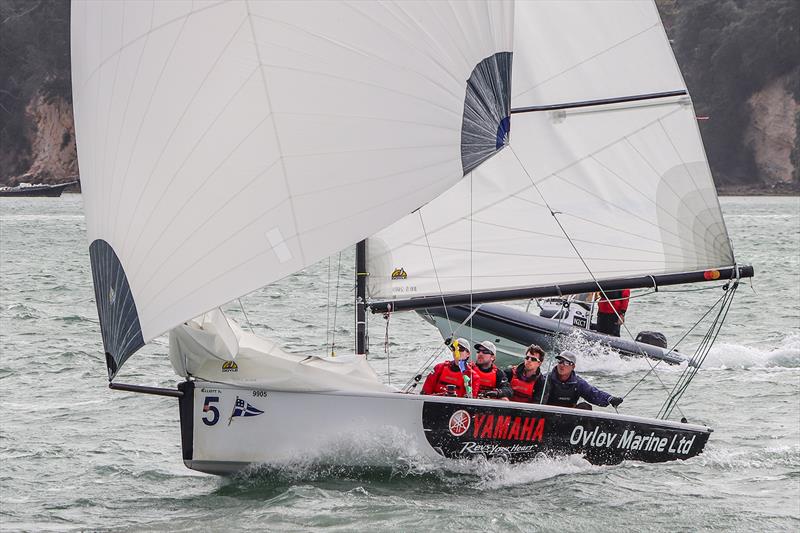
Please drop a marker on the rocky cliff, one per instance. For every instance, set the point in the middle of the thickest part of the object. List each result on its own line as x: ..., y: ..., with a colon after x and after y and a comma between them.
x: 740, y: 59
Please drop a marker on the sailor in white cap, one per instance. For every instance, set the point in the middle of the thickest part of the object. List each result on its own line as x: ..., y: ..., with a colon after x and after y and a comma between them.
x: 455, y: 377
x: 494, y: 382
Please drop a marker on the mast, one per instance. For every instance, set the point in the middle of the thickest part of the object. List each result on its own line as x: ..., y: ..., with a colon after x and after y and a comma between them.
x: 362, y: 347
x: 562, y: 290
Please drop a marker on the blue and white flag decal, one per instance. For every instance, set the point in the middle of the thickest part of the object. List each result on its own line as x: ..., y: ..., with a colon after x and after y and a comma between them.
x: 243, y: 408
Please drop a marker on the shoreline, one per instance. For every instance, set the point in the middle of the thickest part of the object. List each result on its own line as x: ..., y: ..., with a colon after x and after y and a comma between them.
x: 781, y: 189
x: 736, y: 190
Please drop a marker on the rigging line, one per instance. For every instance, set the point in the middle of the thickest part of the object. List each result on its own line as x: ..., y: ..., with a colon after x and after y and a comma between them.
x: 336, y: 306
x: 641, y: 350
x: 711, y: 341
x: 589, y: 270
x: 143, y: 116
x: 435, y: 272
x: 468, y: 319
x: 674, y: 346
x: 249, y: 325
x: 685, y: 165
x: 706, y: 344
x: 591, y: 58
x: 555, y: 341
x: 328, y: 309
x: 438, y: 350
x: 713, y: 306
x: 688, y: 374
x: 690, y: 290
x: 177, y: 124
x: 471, y: 260
x: 387, y: 316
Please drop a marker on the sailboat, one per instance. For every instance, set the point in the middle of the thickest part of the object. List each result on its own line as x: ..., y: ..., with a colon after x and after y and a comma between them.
x: 225, y: 145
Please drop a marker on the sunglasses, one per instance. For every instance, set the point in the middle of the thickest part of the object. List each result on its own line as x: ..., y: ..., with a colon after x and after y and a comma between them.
x: 531, y: 358
x: 482, y: 350
x: 461, y: 348
x: 565, y: 362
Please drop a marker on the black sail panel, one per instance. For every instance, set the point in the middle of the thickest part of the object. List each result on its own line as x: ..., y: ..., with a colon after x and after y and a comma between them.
x: 487, y: 108
x: 119, y: 320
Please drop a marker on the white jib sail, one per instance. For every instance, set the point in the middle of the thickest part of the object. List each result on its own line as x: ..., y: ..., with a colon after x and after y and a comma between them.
x: 224, y: 145
x: 630, y: 181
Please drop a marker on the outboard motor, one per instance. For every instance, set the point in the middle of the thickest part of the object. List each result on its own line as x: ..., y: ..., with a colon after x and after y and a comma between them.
x: 653, y: 338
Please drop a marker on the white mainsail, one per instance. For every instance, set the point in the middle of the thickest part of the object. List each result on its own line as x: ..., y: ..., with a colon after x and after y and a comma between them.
x: 224, y: 145
x: 629, y: 181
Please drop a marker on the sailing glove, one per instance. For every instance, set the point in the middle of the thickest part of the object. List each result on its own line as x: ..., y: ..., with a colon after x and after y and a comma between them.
x: 615, y: 401
x: 494, y: 393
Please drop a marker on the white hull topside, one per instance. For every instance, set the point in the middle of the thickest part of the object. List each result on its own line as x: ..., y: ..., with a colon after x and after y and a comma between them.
x: 380, y: 429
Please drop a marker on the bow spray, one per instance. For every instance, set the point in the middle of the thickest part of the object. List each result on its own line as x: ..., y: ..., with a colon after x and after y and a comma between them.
x: 462, y: 360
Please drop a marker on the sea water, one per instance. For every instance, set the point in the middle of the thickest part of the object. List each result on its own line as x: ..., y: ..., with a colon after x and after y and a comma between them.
x: 75, y: 455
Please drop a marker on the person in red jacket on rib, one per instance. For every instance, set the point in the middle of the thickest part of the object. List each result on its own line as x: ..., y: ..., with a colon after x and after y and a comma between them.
x: 611, y: 311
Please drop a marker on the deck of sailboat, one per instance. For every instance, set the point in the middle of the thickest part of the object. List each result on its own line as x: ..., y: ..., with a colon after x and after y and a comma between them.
x: 479, y: 402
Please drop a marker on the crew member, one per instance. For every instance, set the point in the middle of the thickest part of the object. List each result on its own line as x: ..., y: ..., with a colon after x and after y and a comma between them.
x: 526, y: 379
x: 494, y: 383
x: 454, y: 377
x: 611, y: 311
x: 565, y: 387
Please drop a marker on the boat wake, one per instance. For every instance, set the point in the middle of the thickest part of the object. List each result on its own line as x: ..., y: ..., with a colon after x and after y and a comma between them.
x: 386, y: 456
x: 601, y: 359
x: 773, y: 457
x: 732, y: 356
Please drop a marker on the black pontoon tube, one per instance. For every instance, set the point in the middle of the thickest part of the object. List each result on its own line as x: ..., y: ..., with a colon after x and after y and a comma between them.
x: 158, y: 391
x: 745, y: 271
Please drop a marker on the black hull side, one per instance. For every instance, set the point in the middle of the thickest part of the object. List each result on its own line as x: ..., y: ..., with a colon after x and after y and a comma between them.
x: 52, y: 191
x: 467, y: 431
x: 526, y: 328
x: 185, y: 407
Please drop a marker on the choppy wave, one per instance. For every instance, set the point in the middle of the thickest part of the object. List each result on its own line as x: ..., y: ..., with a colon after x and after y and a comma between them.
x: 38, y: 218
x: 21, y: 311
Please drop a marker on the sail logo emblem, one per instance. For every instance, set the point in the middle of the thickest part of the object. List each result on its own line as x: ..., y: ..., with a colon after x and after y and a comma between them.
x: 230, y: 366
x: 459, y: 423
x: 242, y: 408
x: 399, y: 273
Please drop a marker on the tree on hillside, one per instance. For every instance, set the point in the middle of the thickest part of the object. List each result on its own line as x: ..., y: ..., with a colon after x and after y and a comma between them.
x: 728, y: 50
x: 34, y: 59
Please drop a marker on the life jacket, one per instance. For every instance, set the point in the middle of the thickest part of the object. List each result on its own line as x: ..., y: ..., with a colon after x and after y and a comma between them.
x: 450, y: 376
x: 523, y: 390
x: 488, y: 380
x: 620, y: 302
x: 563, y: 393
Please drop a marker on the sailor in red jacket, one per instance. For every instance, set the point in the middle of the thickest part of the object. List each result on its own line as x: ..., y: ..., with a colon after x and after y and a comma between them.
x: 457, y: 373
x: 609, y: 321
x: 494, y: 383
x: 527, y: 380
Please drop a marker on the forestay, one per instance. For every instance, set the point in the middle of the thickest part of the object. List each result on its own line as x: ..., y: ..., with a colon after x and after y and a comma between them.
x: 223, y: 146
x: 629, y: 182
